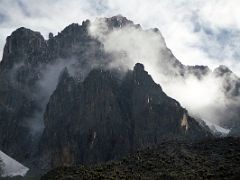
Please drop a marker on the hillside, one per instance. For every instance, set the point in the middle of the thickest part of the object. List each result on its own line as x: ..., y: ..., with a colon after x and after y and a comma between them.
x: 208, y: 159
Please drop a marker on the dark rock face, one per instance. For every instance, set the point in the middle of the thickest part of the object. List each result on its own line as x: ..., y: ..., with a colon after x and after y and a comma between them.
x: 24, y: 53
x: 22, y: 98
x: 103, y: 118
x: 24, y: 46
x: 90, y: 127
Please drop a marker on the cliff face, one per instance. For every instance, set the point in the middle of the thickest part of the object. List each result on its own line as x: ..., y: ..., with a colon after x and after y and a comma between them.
x: 24, y: 53
x: 103, y: 118
x: 24, y: 91
x: 24, y: 46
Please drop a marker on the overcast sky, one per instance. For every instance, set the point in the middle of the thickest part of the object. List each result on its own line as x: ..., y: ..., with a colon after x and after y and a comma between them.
x: 197, y: 31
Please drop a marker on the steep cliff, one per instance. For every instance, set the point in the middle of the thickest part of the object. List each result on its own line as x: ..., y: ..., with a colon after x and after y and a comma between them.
x: 104, y: 118
x: 24, y: 54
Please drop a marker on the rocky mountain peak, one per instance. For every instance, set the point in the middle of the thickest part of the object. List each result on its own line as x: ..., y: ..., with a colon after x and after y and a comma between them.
x: 21, y: 46
x: 139, y: 67
x: 72, y: 28
x: 23, y: 37
x: 63, y: 75
x: 222, y: 70
x: 118, y: 21
x: 66, y: 82
x: 75, y: 28
x: 142, y: 78
x: 198, y: 70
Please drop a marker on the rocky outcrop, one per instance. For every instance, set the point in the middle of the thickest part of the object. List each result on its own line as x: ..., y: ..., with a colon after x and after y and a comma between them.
x: 24, y: 46
x: 24, y: 54
x: 230, y: 86
x: 119, y: 21
x: 231, y: 82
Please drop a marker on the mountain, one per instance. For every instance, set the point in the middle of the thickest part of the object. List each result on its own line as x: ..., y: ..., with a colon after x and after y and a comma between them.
x: 10, y: 167
x: 68, y: 100
x: 104, y: 117
x: 209, y: 159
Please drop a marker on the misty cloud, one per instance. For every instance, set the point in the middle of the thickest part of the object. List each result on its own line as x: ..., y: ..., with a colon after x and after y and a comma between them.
x: 204, y: 97
x: 178, y: 20
x: 44, y: 88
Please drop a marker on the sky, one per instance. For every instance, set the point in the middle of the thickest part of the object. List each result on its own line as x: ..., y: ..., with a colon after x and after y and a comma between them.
x: 204, y: 32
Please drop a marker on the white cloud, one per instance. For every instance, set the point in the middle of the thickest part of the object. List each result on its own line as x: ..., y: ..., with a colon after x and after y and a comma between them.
x: 44, y: 16
x: 175, y: 18
x: 192, y: 30
x: 204, y: 98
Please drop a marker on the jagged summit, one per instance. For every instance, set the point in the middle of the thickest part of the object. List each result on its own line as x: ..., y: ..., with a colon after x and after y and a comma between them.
x: 118, y: 21
x: 64, y: 74
x: 23, y: 31
x: 139, y: 67
x: 222, y: 70
x: 76, y: 28
x: 20, y: 45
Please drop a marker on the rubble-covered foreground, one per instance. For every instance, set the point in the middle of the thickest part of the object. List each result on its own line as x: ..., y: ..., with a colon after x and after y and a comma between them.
x: 208, y: 159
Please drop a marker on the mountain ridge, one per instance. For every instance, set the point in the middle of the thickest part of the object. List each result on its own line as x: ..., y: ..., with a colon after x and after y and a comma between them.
x: 40, y: 114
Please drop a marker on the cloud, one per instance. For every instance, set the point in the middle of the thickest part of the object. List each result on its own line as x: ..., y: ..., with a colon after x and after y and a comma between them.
x: 178, y: 21
x: 198, y: 32
x: 129, y: 45
x: 204, y: 98
x: 183, y: 23
x: 43, y: 16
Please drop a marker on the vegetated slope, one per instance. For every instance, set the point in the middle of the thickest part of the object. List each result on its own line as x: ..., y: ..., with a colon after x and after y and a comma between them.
x: 208, y: 159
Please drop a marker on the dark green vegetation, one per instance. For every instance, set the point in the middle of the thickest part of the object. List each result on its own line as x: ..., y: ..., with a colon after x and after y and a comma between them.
x: 208, y: 159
